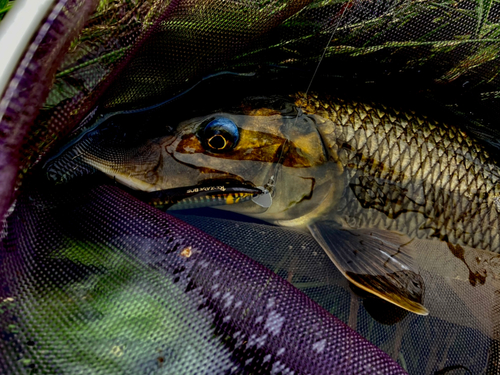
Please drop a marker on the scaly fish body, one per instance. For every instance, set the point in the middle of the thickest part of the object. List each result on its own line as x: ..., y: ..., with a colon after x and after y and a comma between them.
x: 366, y: 180
x: 408, y: 173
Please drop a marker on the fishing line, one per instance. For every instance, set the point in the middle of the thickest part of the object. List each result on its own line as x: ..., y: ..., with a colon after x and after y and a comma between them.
x: 269, y: 188
x: 348, y: 5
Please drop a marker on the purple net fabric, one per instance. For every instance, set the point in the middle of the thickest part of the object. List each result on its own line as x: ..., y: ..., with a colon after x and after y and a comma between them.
x: 119, y: 286
x: 83, y: 283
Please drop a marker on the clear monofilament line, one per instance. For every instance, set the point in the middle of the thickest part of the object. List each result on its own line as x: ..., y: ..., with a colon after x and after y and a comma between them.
x: 272, y: 180
x: 346, y: 6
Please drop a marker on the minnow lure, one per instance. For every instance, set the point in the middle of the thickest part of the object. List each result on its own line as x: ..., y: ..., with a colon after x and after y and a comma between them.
x: 200, y: 196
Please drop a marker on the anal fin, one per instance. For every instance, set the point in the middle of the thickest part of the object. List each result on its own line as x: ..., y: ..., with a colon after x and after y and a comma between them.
x: 377, y: 261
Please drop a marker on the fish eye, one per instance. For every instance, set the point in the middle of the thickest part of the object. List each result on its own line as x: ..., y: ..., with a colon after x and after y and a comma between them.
x: 220, y: 135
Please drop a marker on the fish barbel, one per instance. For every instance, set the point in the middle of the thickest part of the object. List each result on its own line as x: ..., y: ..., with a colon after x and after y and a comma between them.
x: 366, y: 180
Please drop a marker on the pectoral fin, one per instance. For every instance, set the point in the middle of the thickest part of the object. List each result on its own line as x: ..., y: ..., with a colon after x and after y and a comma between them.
x: 377, y: 261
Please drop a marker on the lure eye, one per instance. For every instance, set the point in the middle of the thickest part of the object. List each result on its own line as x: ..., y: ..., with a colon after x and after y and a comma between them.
x: 220, y: 135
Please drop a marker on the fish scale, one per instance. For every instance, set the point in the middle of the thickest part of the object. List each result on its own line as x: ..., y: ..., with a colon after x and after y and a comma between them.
x: 458, y: 177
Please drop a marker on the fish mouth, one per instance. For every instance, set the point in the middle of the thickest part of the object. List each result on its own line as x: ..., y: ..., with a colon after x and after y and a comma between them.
x: 205, y: 194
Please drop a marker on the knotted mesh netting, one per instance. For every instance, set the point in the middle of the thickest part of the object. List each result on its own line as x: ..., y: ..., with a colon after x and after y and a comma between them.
x: 93, y: 280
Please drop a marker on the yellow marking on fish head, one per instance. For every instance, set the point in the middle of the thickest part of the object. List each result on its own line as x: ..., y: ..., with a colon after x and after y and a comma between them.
x: 305, y: 150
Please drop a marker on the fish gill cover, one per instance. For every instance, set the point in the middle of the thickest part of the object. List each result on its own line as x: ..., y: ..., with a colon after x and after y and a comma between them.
x: 87, y: 281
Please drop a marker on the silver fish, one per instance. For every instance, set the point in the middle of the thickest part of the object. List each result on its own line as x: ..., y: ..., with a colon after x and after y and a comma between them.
x: 368, y: 181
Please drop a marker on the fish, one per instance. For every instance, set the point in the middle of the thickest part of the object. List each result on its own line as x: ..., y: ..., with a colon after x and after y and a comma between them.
x: 370, y: 182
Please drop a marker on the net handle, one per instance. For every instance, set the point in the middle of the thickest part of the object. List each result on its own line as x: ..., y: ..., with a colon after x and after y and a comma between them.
x: 16, y: 31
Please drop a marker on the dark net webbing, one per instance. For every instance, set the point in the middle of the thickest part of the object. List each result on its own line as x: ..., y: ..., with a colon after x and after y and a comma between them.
x: 87, y: 285
x: 29, y: 87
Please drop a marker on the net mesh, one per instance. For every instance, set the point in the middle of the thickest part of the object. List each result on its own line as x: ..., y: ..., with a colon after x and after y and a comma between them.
x: 117, y: 286
x: 88, y: 283
x: 424, y: 344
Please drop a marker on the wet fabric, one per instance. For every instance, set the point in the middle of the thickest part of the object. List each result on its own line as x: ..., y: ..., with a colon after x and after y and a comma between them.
x: 84, y: 272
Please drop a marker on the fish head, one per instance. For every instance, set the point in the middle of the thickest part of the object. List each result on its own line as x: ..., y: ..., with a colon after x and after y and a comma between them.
x: 273, y: 145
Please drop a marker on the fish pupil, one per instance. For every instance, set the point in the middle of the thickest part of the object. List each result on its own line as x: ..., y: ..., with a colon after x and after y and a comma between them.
x: 219, y: 134
x: 218, y: 142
